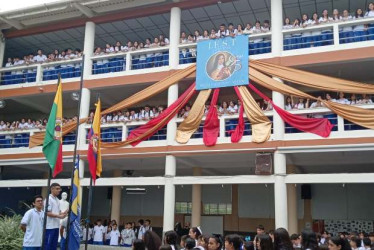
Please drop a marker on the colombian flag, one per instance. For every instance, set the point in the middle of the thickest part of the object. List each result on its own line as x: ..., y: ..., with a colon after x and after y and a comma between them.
x: 75, y: 216
x: 52, y: 145
x: 94, y: 151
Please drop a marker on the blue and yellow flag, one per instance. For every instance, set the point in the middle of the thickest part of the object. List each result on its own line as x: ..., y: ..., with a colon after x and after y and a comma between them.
x: 75, y: 216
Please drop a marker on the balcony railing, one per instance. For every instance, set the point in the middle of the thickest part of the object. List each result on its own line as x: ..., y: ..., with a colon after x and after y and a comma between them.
x: 319, y: 38
x: 118, y: 131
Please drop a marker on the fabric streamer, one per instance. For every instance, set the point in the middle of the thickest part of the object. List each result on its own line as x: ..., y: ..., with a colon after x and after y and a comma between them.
x: 260, y: 124
x: 318, y: 126
x: 211, y: 125
x: 150, y: 128
x: 193, y: 120
x: 237, y: 135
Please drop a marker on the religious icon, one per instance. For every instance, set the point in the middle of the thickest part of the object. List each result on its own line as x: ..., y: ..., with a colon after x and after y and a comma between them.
x: 222, y: 65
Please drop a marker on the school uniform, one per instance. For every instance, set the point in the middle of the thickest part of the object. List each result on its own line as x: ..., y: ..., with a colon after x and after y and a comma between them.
x: 326, y: 34
x: 149, y: 57
x: 370, y: 29
x: 18, y: 75
x: 146, y: 115
x: 128, y: 237
x: 296, y: 39
x: 287, y: 37
x: 142, y: 61
x: 53, y: 224
x: 33, y: 220
x: 89, y: 236
x: 256, y: 44
x: 346, y: 33
x: 359, y: 31
x: 98, y: 235
x: 306, y: 35
x: 107, y: 236
x: 114, y: 237
x: 141, y: 232
x: 67, y: 70
x: 99, y: 65
x: 343, y: 101
x: 221, y: 34
x: 316, y: 35
x: 40, y: 58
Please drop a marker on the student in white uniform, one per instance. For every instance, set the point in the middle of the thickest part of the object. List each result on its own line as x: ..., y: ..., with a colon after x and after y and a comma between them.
x: 342, y: 99
x: 307, y: 35
x: 32, y: 225
x: 266, y: 44
x: 287, y: 37
x: 257, y: 42
x: 115, y: 236
x: 232, y: 31
x: 327, y: 36
x: 222, y: 32
x: 359, y: 30
x: 316, y: 34
x: 296, y: 36
x: 128, y: 235
x: 346, y: 32
x: 370, y: 13
x: 141, y: 230
x: 98, y: 233
x: 149, y: 56
x: 54, y: 214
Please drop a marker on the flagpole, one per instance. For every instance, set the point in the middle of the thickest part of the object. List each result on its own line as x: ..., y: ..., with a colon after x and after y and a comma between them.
x: 88, y: 213
x: 75, y: 154
x: 46, y: 207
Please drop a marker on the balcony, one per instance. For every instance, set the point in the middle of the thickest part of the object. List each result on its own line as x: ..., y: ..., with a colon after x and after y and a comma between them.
x: 332, y: 38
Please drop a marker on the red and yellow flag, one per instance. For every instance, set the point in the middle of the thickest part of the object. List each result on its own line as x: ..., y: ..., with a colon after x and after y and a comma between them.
x: 52, y: 145
x: 94, y: 151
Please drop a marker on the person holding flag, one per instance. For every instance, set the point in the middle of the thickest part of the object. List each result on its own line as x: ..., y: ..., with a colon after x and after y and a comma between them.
x: 75, y: 231
x: 52, y: 145
x: 94, y: 151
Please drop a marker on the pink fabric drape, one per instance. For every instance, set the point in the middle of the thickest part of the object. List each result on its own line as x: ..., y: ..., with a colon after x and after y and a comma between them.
x: 237, y: 135
x: 318, y: 126
x: 211, y: 125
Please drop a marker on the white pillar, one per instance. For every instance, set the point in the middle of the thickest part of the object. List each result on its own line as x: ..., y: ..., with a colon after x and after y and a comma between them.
x: 116, y: 199
x: 196, y: 201
x: 280, y: 191
x: 175, y: 27
x: 276, y: 27
x: 88, y: 50
x: 2, y: 49
x: 84, y: 112
x: 169, y: 193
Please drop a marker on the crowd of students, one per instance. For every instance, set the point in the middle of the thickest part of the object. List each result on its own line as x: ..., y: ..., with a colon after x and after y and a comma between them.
x: 142, y: 237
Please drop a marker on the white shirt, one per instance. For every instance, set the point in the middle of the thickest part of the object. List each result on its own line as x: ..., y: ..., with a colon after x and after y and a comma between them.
x: 33, y: 220
x: 8, y: 65
x: 222, y: 34
x: 359, y: 27
x: 40, y: 58
x: 369, y: 13
x: 128, y: 236
x: 98, y: 233
x: 114, y: 237
x: 141, y: 232
x: 347, y: 28
x: 343, y: 101
x: 300, y: 106
x: 54, y: 207
x: 89, y: 233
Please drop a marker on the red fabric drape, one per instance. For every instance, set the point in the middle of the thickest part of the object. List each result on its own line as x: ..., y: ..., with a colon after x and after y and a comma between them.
x: 318, y: 126
x: 211, y: 125
x: 161, y: 120
x: 237, y: 135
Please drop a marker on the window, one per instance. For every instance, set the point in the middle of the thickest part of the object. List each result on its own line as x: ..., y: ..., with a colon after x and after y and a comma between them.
x: 216, y: 209
x: 183, y: 207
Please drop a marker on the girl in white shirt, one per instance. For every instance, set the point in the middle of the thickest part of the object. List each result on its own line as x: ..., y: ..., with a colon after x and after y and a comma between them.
x: 359, y: 30
x: 370, y: 13
x: 197, y: 36
x: 296, y: 37
x: 240, y: 29
x: 346, y: 33
x: 289, y: 103
x: 316, y: 34
x: 307, y: 35
x: 248, y: 29
x: 327, y: 36
x: 287, y: 37
x: 206, y: 35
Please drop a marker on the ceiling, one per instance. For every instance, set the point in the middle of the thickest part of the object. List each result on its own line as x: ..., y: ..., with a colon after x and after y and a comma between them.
x: 222, y: 164
x: 208, y: 17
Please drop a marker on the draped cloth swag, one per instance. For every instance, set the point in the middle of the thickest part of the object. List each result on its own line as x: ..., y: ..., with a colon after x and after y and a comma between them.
x: 357, y: 115
x: 237, y: 135
x: 211, y: 125
x: 261, y: 125
x: 312, y: 80
x: 192, y: 122
x: 318, y: 126
x: 150, y: 128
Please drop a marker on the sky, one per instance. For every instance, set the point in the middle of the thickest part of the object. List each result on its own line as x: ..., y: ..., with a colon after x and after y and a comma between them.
x: 21, y: 4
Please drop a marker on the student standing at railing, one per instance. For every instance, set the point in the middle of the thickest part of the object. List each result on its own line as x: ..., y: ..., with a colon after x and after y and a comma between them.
x: 287, y: 38
x: 307, y: 35
x: 248, y: 29
x: 212, y: 35
x: 70, y: 66
x: 346, y: 33
x: 232, y: 31
x: 222, y: 32
x: 142, y: 57
x: 359, y: 30
x: 164, y: 41
x: 327, y: 36
x: 183, y: 38
x: 266, y: 44
x: 296, y: 37
x: 205, y: 35
x: 149, y: 56
x: 316, y: 34
x: 240, y: 29
x: 370, y: 13
x: 289, y: 103
x: 135, y: 58
x: 98, y: 65
x: 257, y: 42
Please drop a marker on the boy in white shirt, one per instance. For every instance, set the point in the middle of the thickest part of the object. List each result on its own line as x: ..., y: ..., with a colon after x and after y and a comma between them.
x: 40, y: 58
x: 114, y: 236
x: 98, y: 233
x: 128, y: 235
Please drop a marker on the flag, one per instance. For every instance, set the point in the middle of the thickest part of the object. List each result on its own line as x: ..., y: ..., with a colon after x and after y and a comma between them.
x: 75, y: 231
x: 52, y: 145
x: 94, y: 151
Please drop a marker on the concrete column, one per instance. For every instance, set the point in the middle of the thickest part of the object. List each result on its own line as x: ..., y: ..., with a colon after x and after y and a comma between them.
x: 280, y: 191
x: 84, y: 112
x: 169, y: 193
x: 88, y: 50
x: 276, y: 27
x: 175, y: 27
x: 308, y: 220
x: 292, y: 204
x: 2, y: 49
x: 196, y: 200
x: 115, y: 213
x: 278, y: 123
